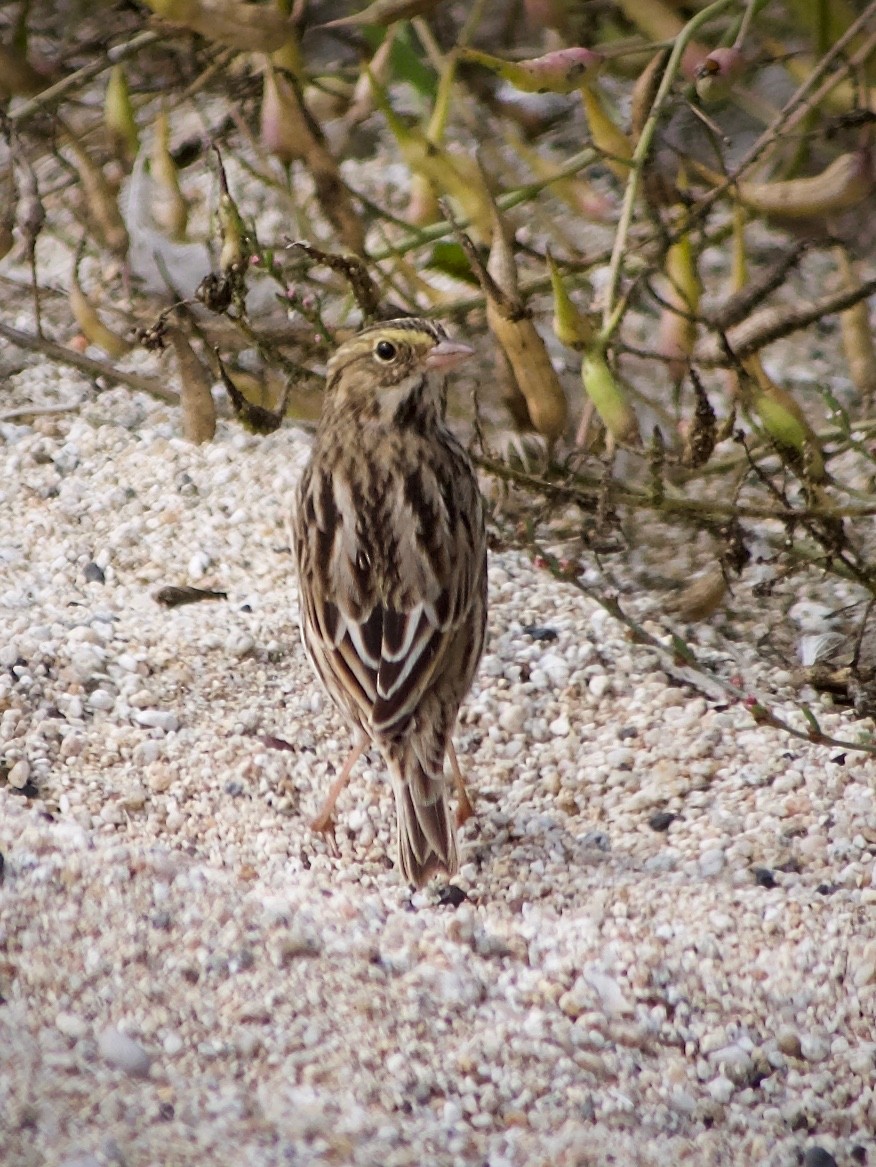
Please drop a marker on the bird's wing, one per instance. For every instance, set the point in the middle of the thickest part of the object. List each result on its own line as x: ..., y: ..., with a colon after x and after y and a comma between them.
x: 386, y: 590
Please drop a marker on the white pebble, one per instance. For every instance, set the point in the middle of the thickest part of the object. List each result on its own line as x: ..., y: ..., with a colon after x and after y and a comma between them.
x: 19, y: 774
x: 721, y: 1089
x: 162, y: 719
x: 71, y: 1025
x: 711, y: 862
x: 814, y: 1048
x: 172, y: 1044
x: 512, y: 718
x: 239, y: 643
x: 101, y: 699
x: 123, y: 1052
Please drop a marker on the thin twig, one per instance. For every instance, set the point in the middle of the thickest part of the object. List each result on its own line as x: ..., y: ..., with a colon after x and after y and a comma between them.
x: 61, y: 88
x: 87, y: 365
x: 581, y: 490
x: 683, y: 664
x: 612, y: 308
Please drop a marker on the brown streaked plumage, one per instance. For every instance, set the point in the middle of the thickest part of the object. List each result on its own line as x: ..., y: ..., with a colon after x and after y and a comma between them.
x: 389, y: 541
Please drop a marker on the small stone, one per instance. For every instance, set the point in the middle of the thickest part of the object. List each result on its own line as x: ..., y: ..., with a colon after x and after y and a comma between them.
x: 94, y: 573
x: 123, y: 1052
x: 763, y: 877
x: 134, y: 799
x: 599, y: 685
x: 560, y: 727
x: 863, y: 965
x: 813, y: 1048
x: 102, y: 700
x: 451, y: 896
x: 113, y: 814
x: 721, y: 1089
x: 538, y: 633
x: 512, y: 718
x: 818, y: 1157
x: 162, y: 719
x: 72, y: 745
x: 71, y: 1025
x: 160, y: 778
x: 661, y: 820
x: 19, y: 774
x: 145, y: 753
x: 711, y: 862
x: 239, y: 644
x: 788, y: 1041
x: 172, y: 1044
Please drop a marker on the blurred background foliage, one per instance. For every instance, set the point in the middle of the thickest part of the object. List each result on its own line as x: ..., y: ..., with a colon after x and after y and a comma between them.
x: 657, y: 216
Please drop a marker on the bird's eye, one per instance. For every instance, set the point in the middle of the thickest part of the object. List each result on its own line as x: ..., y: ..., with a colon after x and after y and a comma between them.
x: 385, y: 351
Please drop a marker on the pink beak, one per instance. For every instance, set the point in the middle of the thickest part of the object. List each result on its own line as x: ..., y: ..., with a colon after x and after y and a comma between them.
x: 447, y: 354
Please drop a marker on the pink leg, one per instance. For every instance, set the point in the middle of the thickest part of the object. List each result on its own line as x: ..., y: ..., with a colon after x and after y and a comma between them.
x: 464, y: 810
x: 324, y: 820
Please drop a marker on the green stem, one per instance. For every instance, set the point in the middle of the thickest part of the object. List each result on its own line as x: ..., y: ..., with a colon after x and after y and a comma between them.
x: 505, y: 202
x: 614, y: 308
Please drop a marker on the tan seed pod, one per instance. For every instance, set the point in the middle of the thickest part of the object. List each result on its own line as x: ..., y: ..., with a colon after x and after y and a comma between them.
x: 248, y: 28
x: 93, y: 328
x: 845, y: 183
x: 195, y: 390
x: 284, y: 131
x: 681, y: 290
x: 644, y: 92
x: 101, y: 203
x: 172, y: 210
x: 384, y: 12
x: 562, y: 71
x: 511, y: 324
x: 857, y: 333
x: 535, y: 375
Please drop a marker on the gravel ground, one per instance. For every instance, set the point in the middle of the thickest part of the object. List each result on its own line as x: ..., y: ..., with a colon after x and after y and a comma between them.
x: 662, y: 948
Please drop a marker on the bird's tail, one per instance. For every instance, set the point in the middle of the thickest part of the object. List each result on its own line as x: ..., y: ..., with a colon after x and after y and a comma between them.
x: 426, y: 830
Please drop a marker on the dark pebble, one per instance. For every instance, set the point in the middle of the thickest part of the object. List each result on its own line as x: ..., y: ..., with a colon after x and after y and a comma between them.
x: 818, y: 1157
x: 859, y: 1153
x: 598, y: 839
x: 764, y: 877
x: 94, y: 573
x: 540, y: 633
x: 451, y: 896
x: 626, y: 732
x: 661, y: 820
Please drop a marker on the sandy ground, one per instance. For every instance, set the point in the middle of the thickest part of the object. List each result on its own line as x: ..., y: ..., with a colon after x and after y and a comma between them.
x: 660, y: 947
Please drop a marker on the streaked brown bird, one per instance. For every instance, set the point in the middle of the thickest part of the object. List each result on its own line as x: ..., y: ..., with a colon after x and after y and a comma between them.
x: 389, y: 541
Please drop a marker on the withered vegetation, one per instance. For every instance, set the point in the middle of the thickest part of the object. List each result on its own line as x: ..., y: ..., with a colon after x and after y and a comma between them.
x: 661, y: 226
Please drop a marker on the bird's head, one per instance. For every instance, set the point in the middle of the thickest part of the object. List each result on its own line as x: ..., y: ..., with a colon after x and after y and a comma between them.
x: 386, y: 370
